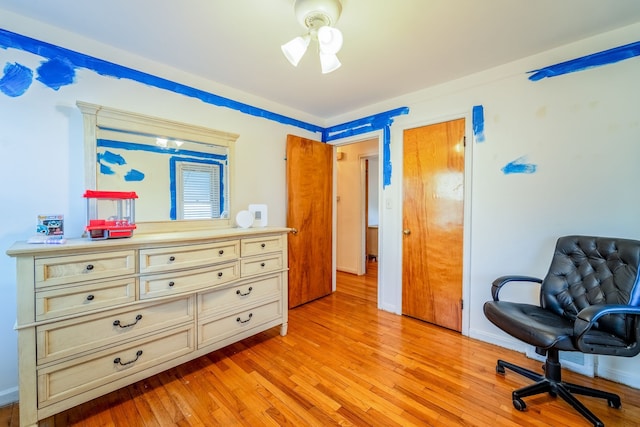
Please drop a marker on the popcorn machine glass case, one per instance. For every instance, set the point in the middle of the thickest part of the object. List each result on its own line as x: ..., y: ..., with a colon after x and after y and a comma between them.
x: 110, y: 214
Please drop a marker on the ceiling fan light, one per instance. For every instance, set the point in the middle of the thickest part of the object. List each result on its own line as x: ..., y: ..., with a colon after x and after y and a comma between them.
x: 294, y: 50
x: 329, y: 39
x: 329, y: 62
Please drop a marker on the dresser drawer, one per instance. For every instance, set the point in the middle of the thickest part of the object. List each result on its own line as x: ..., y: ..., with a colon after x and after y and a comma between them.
x: 188, y: 281
x: 67, y: 379
x: 52, y: 303
x: 75, y: 336
x: 261, y: 245
x: 210, y: 303
x: 262, y: 264
x: 214, y: 330
x: 79, y: 268
x: 187, y: 256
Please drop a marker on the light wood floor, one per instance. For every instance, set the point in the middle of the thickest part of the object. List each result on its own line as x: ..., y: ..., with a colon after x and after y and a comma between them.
x: 343, y: 363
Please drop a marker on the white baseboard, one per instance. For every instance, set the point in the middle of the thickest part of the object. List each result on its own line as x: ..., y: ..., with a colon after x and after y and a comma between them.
x: 347, y: 270
x: 499, y: 340
x: 619, y: 376
x: 8, y: 396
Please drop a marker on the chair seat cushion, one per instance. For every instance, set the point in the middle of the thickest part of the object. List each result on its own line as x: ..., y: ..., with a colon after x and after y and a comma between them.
x: 531, y: 324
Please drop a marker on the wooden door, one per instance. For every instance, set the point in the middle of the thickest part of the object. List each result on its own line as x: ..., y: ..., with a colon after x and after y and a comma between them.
x: 433, y: 223
x: 309, y: 211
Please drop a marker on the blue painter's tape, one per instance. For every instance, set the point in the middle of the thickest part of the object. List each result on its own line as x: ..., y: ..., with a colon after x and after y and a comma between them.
x: 74, y: 59
x: 134, y: 175
x: 157, y: 149
x: 519, y: 165
x: 16, y: 79
x: 478, y: 123
x: 386, y: 157
x: 363, y: 125
x: 599, y: 59
x: 106, y: 170
x: 56, y: 72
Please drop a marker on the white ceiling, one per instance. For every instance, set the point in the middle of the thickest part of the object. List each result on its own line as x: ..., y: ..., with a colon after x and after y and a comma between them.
x: 391, y: 47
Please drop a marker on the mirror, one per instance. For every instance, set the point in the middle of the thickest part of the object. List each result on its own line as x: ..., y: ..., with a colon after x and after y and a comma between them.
x: 180, y: 173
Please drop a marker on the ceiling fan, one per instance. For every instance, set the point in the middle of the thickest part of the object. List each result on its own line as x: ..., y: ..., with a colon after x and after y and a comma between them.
x: 318, y: 17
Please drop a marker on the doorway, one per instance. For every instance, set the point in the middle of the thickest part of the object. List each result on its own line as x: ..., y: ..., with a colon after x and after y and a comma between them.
x: 433, y: 218
x: 357, y: 206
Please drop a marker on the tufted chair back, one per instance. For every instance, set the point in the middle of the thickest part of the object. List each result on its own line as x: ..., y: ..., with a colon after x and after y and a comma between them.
x: 588, y: 271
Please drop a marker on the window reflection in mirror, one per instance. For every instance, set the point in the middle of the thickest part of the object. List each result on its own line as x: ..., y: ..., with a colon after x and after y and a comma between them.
x: 178, y: 171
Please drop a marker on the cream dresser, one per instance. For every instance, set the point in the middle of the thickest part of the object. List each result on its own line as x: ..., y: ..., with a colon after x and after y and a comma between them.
x: 94, y: 316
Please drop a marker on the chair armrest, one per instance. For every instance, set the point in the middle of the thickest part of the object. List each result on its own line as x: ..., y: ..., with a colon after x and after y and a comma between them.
x: 503, y: 280
x: 588, y: 317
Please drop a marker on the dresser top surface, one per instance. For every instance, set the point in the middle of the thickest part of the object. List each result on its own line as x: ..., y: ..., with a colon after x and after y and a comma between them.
x: 23, y: 248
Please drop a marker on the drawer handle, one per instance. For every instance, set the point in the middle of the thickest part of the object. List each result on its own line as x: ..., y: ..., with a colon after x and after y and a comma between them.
x: 221, y: 251
x: 118, y: 361
x: 172, y: 258
x: 117, y: 322
x: 262, y: 264
x: 89, y: 267
x: 220, y: 274
x: 171, y: 284
x: 239, y: 320
x: 90, y: 297
x: 264, y: 245
x: 244, y: 294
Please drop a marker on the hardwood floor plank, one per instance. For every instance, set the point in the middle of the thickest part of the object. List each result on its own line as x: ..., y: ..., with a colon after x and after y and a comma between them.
x: 344, y: 362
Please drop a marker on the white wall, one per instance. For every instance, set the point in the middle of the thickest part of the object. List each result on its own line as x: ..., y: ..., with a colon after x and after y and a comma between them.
x: 582, y: 130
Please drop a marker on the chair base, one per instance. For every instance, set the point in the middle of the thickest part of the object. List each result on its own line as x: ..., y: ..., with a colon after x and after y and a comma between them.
x: 551, y: 382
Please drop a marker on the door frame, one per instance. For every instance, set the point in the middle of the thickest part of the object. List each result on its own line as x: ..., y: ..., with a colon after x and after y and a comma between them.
x: 466, y: 240
x: 347, y: 141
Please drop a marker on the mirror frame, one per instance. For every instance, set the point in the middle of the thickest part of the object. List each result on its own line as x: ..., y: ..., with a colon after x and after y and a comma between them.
x: 98, y: 116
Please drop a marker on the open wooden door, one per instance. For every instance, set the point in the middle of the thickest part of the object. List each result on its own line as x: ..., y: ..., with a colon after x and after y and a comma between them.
x: 433, y: 223
x: 309, y: 213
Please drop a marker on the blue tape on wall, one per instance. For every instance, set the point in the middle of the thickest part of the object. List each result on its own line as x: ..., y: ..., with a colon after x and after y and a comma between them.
x: 599, y: 59
x: 478, y: 123
x: 59, y: 70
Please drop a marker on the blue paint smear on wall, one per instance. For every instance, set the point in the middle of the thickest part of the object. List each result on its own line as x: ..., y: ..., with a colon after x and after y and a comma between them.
x: 590, y: 61
x: 478, y: 123
x: 112, y: 158
x: 16, y: 79
x: 75, y: 60
x: 519, y: 165
x: 56, y: 72
x: 134, y: 175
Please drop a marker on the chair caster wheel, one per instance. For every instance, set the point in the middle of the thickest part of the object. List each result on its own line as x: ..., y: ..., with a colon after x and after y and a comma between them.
x: 519, y: 404
x: 615, y: 403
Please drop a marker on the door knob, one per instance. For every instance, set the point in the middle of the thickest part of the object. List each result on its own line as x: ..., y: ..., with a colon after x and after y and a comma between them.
x: 294, y: 231
x: 406, y: 231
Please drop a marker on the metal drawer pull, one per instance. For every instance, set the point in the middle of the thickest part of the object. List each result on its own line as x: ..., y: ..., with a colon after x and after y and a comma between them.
x: 262, y: 264
x: 245, y: 294
x: 221, y: 251
x: 264, y: 245
x: 117, y: 322
x: 90, y: 297
x: 118, y: 361
x: 171, y: 284
x: 172, y: 258
x: 89, y: 267
x: 220, y: 274
x: 244, y: 321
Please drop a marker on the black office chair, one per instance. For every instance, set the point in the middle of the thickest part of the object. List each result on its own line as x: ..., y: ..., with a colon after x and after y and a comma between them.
x: 589, y: 302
